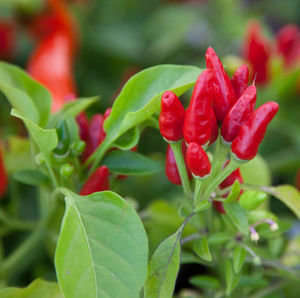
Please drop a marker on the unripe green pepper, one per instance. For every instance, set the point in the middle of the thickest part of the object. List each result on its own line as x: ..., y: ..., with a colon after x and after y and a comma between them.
x: 66, y: 170
x: 63, y: 138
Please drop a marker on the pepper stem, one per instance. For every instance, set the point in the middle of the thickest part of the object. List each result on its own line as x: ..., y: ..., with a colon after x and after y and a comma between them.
x: 177, y: 150
x: 198, y: 190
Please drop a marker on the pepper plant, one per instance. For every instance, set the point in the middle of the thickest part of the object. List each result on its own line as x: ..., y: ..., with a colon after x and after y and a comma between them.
x: 101, y: 243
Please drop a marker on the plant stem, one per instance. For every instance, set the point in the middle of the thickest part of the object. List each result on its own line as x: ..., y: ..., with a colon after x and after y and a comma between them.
x: 198, y: 190
x: 177, y: 150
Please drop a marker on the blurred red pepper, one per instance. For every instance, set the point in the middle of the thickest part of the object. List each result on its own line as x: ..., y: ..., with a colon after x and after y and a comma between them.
x: 257, y: 51
x: 3, y: 176
x: 251, y: 134
x: 235, y: 175
x: 7, y: 40
x: 240, y: 80
x: 171, y: 117
x: 224, y: 95
x: 98, y: 181
x: 197, y: 122
x: 238, y: 114
x: 297, y: 181
x: 198, y: 161
x: 171, y: 166
x: 288, y: 44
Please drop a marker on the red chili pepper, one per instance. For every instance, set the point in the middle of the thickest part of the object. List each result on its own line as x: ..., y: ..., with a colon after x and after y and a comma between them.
x: 171, y: 117
x: 171, y: 166
x: 240, y: 79
x: 98, y: 181
x: 288, y: 44
x: 297, y: 181
x: 224, y: 95
x: 197, y: 122
x: 7, y: 40
x: 198, y: 160
x: 214, y: 128
x: 257, y: 51
x: 3, y: 177
x: 235, y: 175
x: 238, y: 114
x: 245, y: 145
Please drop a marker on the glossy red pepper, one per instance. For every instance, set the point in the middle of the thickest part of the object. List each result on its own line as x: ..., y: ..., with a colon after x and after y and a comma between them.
x: 214, y: 128
x: 245, y: 145
x: 3, y: 177
x: 235, y: 175
x: 171, y: 166
x: 257, y: 51
x: 98, y: 181
x: 238, y: 114
x: 288, y: 43
x: 171, y: 117
x: 224, y: 95
x: 198, y: 161
x: 7, y: 40
x: 197, y: 122
x: 240, y: 79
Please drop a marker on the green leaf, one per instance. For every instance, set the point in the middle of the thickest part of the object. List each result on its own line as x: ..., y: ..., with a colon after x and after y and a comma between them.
x: 201, y: 248
x: 129, y: 139
x: 163, y: 267
x: 205, y: 282
x: 239, y: 256
x: 289, y: 195
x: 102, y: 249
x: 30, y: 177
x: 140, y: 99
x: 251, y: 199
x: 218, y: 238
x: 234, y: 193
x: 238, y: 216
x: 130, y: 163
x: 37, y: 289
x: 232, y: 279
x: 24, y: 94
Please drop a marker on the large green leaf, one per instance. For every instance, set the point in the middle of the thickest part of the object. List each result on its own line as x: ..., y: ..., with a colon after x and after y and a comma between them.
x: 37, y: 289
x: 238, y: 216
x: 164, y: 266
x: 131, y: 163
x: 140, y: 98
x: 102, y: 249
x: 24, y: 94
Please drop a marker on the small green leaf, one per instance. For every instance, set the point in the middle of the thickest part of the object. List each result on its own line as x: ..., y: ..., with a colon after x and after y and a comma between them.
x: 129, y: 139
x: 30, y: 177
x: 289, y: 195
x: 202, y: 206
x: 201, y: 248
x: 205, y: 282
x: 102, y: 249
x: 37, y: 289
x: 232, y: 279
x: 239, y: 256
x: 251, y: 199
x: 238, y: 217
x: 234, y: 193
x: 131, y: 163
x: 24, y: 94
x: 253, y: 281
x: 218, y: 238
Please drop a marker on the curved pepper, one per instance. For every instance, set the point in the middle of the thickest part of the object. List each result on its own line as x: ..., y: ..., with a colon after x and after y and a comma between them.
x: 235, y: 175
x: 238, y: 114
x: 98, y: 181
x: 245, y: 145
x: 198, y: 161
x: 214, y: 128
x: 3, y: 176
x: 171, y: 166
x: 224, y: 95
x: 197, y: 122
x: 240, y: 79
x: 171, y: 117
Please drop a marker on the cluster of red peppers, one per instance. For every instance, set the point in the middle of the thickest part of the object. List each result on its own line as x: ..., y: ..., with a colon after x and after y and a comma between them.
x: 219, y: 107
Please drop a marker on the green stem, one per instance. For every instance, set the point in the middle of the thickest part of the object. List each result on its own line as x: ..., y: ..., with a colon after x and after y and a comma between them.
x: 198, y: 190
x: 177, y: 150
x: 14, y: 223
x: 232, y: 166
